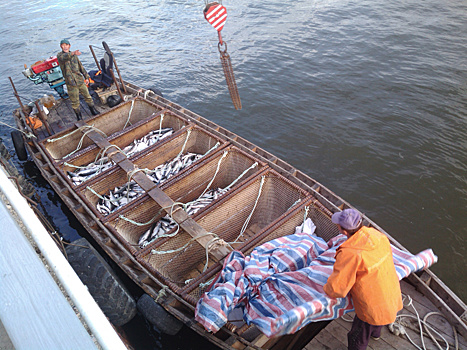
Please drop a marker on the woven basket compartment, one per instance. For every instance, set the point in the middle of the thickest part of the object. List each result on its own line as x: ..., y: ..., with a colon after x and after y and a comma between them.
x: 125, y: 138
x: 277, y: 197
x: 141, y: 211
x: 320, y: 217
x: 185, y: 188
x: 232, y: 163
x: 198, y: 141
x: 324, y: 227
x: 226, y: 219
x: 109, y: 123
x: 124, y: 115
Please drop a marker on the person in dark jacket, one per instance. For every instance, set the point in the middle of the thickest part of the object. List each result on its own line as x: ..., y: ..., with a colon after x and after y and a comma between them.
x: 76, y: 78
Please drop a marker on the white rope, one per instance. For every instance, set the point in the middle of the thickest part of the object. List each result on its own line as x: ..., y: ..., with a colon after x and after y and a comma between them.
x: 129, y: 114
x: 254, y: 165
x: 184, y: 144
x: 28, y: 134
x: 215, y: 173
x: 162, y: 293
x: 160, y: 124
x: 88, y: 129
x: 247, y: 221
x: 398, y: 327
x: 212, y: 148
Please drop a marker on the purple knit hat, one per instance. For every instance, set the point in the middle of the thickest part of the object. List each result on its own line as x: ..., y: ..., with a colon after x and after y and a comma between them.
x: 349, y: 219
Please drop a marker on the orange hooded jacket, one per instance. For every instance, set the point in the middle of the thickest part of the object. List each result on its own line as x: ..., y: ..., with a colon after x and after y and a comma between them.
x: 364, y: 267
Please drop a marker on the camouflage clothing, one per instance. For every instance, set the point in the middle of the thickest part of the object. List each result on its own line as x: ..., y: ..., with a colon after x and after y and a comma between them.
x: 74, y: 74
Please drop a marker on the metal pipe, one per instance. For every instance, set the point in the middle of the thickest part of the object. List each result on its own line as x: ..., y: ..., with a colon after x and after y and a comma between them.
x: 95, y: 58
x: 79, y: 294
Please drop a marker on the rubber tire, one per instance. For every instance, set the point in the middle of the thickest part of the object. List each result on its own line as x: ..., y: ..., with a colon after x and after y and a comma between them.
x: 20, y: 147
x: 158, y: 316
x: 156, y: 91
x: 102, y: 282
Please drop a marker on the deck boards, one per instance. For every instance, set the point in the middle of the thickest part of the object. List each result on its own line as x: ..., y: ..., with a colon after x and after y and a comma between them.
x: 334, y: 336
x: 62, y: 116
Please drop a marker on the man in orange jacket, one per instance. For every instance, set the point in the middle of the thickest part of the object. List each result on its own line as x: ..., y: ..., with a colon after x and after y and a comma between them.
x: 364, y: 268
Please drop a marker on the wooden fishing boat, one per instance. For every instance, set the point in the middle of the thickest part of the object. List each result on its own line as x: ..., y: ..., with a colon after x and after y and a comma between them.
x: 176, y: 279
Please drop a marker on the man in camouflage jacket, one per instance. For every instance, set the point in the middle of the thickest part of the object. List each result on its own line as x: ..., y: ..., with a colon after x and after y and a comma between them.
x: 76, y: 78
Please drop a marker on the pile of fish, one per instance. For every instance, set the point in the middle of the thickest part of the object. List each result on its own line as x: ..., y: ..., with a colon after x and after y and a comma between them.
x: 92, y: 169
x: 164, y: 225
x: 124, y: 194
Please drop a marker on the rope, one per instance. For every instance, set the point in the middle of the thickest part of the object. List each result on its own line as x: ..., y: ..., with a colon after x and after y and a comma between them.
x: 212, y: 148
x: 88, y: 129
x: 27, y: 134
x: 247, y: 221
x: 215, y: 173
x: 241, y: 175
x: 162, y: 118
x: 398, y: 328
x: 184, y: 144
x: 162, y: 293
x: 129, y: 114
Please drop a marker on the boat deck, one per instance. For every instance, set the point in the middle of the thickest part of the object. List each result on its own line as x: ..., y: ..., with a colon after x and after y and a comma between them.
x: 334, y: 336
x: 60, y: 116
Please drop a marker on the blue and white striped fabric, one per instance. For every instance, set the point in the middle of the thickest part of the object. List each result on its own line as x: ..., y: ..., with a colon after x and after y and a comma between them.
x: 280, y: 285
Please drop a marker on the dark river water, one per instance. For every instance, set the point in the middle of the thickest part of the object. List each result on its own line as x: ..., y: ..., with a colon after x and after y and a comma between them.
x: 367, y: 97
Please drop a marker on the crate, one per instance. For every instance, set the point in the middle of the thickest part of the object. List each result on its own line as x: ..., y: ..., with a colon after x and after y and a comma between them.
x: 106, y: 93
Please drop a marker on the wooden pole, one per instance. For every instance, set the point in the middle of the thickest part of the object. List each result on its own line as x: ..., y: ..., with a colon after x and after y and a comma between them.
x: 118, y: 72
x: 116, y: 84
x: 42, y: 117
x: 95, y: 58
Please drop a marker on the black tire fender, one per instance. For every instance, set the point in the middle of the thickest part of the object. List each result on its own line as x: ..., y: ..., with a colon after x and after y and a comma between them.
x: 158, y: 316
x: 18, y: 143
x: 102, y: 282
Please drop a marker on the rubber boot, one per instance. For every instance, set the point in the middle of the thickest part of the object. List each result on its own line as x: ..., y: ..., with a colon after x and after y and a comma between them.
x: 93, y: 110
x: 78, y: 114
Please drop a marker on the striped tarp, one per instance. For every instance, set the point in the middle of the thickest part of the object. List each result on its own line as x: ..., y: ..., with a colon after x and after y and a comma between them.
x: 279, y: 287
